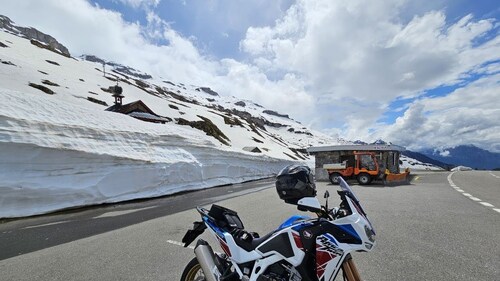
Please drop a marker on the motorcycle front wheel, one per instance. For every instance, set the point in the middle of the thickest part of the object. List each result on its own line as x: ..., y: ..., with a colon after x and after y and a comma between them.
x: 193, y: 272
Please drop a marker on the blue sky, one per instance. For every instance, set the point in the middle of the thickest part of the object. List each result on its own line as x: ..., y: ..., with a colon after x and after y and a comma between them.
x: 411, y: 72
x: 217, y: 33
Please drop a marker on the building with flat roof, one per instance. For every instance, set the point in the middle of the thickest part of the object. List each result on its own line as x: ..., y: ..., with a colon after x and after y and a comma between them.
x: 387, y: 156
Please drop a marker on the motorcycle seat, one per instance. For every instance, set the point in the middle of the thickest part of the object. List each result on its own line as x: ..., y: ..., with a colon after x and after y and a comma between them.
x: 251, y: 243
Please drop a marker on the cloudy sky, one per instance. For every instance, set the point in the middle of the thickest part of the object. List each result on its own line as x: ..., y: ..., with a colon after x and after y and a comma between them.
x: 417, y: 73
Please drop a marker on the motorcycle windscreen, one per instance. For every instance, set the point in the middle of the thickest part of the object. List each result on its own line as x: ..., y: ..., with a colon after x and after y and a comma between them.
x: 345, y: 187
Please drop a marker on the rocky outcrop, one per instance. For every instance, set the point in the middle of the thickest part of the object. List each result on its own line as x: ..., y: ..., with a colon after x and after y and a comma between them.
x: 92, y: 58
x: 118, y: 67
x: 207, y: 126
x: 42, y: 88
x: 274, y: 113
x: 208, y: 91
x: 31, y: 33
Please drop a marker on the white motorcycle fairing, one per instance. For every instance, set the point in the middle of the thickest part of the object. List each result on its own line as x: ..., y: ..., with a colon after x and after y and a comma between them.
x: 300, y: 249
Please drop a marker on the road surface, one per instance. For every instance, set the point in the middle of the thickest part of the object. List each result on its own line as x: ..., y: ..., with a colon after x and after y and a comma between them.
x: 429, y: 230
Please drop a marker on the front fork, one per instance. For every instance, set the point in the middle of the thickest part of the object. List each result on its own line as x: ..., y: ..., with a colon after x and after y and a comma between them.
x: 350, y: 270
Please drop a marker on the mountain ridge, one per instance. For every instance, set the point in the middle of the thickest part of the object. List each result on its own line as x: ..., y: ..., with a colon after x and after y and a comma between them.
x: 466, y: 155
x: 34, y: 35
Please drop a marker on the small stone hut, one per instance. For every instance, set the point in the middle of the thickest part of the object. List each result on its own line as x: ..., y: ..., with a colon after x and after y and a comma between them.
x: 387, y: 156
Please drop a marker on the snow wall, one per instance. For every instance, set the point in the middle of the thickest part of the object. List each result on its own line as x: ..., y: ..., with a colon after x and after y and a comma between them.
x: 37, y: 180
x: 52, y: 158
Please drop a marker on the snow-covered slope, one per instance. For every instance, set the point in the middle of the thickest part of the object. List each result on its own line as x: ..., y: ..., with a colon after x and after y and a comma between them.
x: 414, y: 164
x: 60, y: 148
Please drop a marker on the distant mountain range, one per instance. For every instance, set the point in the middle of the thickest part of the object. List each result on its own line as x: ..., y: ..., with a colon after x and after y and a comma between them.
x: 462, y: 155
x: 466, y: 155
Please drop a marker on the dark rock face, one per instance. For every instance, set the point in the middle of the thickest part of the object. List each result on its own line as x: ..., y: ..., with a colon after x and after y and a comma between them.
x: 118, y: 67
x: 92, y: 58
x: 94, y: 100
x: 141, y: 84
x: 52, y: 62
x: 258, y: 122
x: 7, y: 62
x: 130, y: 71
x: 208, y: 91
x: 34, y: 34
x: 50, y: 83
x: 3, y: 45
x: 240, y: 103
x: 270, y: 112
x: 233, y: 121
x: 42, y: 88
x: 206, y: 126
x: 304, y: 133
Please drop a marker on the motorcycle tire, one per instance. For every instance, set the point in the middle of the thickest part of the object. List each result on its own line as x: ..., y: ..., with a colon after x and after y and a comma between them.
x: 193, y: 272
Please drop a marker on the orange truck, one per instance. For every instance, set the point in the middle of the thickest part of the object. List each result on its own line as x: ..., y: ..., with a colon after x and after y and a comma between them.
x: 364, y: 168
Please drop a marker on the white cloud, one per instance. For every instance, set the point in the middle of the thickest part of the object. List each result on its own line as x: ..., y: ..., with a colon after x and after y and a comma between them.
x: 140, y: 3
x: 445, y: 153
x: 469, y: 115
x: 334, y: 65
x: 357, y: 58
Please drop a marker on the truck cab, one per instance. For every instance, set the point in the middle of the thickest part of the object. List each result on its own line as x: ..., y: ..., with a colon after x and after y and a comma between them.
x: 362, y: 166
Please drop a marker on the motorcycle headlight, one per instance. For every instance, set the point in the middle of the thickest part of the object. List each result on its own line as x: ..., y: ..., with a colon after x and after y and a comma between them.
x: 369, y: 233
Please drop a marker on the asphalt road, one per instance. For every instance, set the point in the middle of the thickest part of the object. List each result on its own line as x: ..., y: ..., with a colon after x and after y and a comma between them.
x: 428, y: 230
x: 23, y: 236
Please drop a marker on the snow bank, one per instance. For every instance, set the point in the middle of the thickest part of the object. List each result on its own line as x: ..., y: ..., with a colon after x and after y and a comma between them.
x: 57, y: 155
x: 414, y: 164
x: 461, y: 168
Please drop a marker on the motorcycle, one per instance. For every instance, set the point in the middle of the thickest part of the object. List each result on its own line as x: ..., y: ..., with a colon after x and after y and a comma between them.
x: 300, y: 249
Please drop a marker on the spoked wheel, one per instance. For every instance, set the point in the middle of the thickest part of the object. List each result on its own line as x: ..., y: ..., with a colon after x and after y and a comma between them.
x: 193, y: 272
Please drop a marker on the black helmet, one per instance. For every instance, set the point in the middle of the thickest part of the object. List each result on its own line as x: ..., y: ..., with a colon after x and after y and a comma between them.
x: 295, y: 182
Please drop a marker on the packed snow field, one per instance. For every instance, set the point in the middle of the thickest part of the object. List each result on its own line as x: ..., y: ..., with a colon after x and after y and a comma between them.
x: 61, y: 150
x: 91, y: 157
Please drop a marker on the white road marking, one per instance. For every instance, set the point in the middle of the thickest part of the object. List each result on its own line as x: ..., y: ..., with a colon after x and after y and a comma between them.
x: 119, y: 213
x: 498, y: 177
x: 452, y: 184
x: 486, y: 204
x: 179, y: 244
x: 46, y: 224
